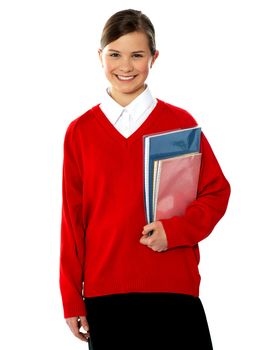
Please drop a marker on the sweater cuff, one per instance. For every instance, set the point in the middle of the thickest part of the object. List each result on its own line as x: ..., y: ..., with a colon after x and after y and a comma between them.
x: 74, y: 309
x: 174, y: 230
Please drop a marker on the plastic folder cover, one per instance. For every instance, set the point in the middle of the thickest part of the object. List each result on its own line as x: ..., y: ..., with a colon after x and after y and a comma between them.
x: 175, y: 185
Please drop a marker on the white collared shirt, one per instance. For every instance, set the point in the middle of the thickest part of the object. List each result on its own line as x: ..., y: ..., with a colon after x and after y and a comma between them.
x: 128, y: 119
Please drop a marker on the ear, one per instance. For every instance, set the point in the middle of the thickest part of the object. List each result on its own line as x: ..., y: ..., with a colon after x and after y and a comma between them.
x: 156, y: 55
x: 100, y: 56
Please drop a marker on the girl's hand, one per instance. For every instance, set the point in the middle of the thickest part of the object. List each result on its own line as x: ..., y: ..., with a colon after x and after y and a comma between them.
x: 157, y: 241
x: 75, y: 323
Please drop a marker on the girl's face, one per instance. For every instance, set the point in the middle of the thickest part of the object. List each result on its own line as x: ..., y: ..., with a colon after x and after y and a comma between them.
x: 126, y: 63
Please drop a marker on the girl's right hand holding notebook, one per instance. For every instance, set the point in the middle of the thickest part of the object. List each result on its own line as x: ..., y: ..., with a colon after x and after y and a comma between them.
x: 157, y: 241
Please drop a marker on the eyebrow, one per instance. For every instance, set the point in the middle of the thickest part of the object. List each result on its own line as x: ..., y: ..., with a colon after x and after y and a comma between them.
x: 139, y: 51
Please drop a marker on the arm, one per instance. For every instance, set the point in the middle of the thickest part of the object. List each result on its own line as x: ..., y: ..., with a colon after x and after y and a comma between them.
x: 202, y: 214
x: 72, y: 230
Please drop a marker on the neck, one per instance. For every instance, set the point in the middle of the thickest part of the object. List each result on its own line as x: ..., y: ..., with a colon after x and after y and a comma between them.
x: 125, y: 99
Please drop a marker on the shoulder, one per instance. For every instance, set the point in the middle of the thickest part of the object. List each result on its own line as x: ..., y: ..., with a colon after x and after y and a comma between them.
x: 81, y: 122
x: 179, y: 113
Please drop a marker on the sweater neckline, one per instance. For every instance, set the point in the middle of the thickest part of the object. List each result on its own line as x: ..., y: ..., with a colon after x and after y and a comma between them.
x: 102, y: 119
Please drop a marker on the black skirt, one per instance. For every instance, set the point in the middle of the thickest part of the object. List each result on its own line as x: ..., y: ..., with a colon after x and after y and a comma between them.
x: 147, y: 321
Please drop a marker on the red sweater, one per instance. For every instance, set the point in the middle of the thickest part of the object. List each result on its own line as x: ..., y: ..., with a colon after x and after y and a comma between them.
x: 103, y: 213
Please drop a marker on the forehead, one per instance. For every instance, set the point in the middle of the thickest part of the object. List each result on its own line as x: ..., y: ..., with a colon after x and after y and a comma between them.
x: 135, y: 41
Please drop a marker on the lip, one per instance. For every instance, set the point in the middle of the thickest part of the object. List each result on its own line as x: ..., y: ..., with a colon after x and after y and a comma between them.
x: 126, y: 78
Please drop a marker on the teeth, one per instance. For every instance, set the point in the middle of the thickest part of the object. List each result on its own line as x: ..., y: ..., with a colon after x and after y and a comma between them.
x: 125, y: 78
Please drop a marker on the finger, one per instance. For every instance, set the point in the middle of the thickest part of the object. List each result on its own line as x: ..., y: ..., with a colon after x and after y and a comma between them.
x: 82, y: 336
x: 148, y: 228
x: 74, y: 325
x: 143, y: 240
x: 148, y: 232
x: 84, y: 323
x: 147, y: 240
x: 85, y: 326
x: 72, y: 322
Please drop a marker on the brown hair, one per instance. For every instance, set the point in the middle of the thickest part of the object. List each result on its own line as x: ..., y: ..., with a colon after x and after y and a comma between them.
x: 128, y: 21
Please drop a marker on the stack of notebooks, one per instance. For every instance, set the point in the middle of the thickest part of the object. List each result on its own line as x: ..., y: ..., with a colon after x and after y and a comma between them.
x: 171, y: 171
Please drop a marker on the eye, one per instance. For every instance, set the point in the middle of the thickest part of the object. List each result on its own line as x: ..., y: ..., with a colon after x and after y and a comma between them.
x: 137, y: 55
x: 114, y: 54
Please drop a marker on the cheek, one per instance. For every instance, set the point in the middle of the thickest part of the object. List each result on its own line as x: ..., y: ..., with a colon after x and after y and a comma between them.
x: 144, y: 67
x: 145, y: 70
x: 108, y: 66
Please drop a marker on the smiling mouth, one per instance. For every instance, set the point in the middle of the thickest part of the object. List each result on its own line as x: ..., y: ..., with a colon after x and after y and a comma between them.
x: 124, y: 77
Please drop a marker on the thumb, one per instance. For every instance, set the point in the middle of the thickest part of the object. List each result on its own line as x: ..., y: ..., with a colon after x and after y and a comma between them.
x: 147, y: 228
x: 84, y: 323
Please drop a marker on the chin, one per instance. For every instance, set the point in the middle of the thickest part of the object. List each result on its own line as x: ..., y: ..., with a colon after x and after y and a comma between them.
x: 132, y: 90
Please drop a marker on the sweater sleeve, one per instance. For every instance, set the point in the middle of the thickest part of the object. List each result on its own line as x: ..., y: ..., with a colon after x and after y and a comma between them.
x: 72, y: 230
x: 210, y: 205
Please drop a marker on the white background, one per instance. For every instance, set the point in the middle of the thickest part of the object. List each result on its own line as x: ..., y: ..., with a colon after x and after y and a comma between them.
x: 215, y: 61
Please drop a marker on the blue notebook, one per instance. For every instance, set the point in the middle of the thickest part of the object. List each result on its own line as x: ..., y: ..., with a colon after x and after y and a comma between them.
x: 165, y: 145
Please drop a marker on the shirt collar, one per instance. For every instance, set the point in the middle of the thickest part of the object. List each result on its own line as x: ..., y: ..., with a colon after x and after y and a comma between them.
x: 136, y: 108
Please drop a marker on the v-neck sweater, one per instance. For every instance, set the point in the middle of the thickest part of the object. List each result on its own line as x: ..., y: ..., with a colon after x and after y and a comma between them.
x: 103, y: 213
x: 128, y: 119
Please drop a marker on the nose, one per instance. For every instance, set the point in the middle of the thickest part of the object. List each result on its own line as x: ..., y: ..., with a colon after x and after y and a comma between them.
x: 126, y: 65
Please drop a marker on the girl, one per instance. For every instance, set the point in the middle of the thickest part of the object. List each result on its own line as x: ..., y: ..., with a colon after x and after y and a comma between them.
x: 126, y: 288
